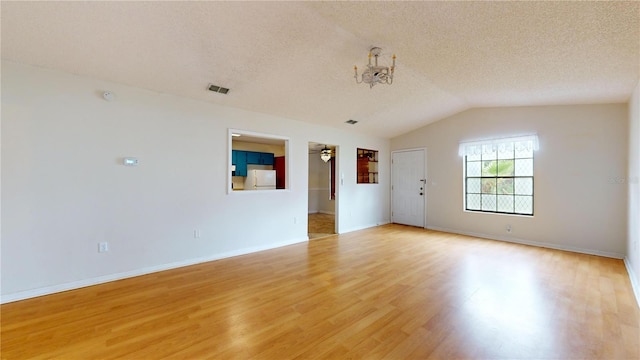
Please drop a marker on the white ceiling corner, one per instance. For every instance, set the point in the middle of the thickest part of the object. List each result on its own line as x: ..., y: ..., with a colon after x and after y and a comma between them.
x: 295, y: 59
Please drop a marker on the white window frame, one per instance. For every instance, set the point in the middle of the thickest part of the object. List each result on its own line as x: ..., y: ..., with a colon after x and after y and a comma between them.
x: 505, y: 149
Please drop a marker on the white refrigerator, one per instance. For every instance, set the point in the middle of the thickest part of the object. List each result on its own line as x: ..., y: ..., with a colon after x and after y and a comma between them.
x: 260, y: 180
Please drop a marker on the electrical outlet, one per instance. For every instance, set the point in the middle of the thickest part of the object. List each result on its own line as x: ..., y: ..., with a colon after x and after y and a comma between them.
x: 197, y: 234
x: 508, y: 228
x: 295, y: 220
x: 103, y: 247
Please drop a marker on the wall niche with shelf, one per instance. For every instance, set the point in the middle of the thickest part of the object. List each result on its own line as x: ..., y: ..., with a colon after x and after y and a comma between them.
x: 367, y: 172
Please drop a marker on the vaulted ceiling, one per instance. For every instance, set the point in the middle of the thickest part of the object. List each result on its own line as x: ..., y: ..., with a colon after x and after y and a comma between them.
x: 295, y: 59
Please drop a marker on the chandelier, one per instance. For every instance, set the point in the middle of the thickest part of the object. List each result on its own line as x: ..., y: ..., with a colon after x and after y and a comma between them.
x: 325, y: 154
x: 374, y: 73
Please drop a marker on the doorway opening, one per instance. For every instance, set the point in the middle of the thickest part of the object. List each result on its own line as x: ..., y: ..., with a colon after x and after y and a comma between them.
x: 322, y: 191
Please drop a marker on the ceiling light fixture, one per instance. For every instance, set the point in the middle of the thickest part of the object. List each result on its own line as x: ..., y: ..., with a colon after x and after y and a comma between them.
x: 325, y: 154
x: 374, y: 73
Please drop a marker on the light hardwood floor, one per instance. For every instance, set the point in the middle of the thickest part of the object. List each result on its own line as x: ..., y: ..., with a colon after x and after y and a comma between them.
x: 391, y: 292
x: 321, y: 225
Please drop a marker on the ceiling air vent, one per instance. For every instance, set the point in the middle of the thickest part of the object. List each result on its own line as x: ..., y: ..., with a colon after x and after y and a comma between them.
x: 218, y: 89
x: 351, y: 122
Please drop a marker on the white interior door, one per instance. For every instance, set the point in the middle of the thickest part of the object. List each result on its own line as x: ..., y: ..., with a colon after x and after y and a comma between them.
x: 408, y: 187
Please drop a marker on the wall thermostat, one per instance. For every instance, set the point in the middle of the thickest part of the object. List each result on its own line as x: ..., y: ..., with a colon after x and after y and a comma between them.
x: 130, y: 161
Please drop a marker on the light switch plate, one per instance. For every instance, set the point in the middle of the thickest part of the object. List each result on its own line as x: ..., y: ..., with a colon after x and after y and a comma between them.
x: 103, y: 247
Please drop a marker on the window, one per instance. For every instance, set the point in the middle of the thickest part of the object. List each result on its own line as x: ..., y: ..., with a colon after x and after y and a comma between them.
x: 498, y: 175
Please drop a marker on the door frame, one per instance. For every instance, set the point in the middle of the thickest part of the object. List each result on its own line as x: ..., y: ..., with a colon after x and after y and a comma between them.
x: 338, y: 180
x: 426, y: 195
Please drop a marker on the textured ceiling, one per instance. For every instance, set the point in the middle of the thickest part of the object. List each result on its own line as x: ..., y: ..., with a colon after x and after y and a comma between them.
x: 295, y: 59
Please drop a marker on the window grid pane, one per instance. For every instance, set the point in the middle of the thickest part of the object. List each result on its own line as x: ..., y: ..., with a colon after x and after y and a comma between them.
x: 489, y: 168
x: 524, y: 167
x: 506, y: 167
x: 488, y: 185
x: 504, y: 186
x: 473, y: 202
x: 505, y: 203
x: 473, y: 168
x: 523, y: 186
x: 488, y: 203
x: 473, y: 185
x: 524, y: 204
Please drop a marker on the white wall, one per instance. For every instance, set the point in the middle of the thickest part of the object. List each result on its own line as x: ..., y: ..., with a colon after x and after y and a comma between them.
x: 64, y: 189
x: 579, y: 202
x: 633, y: 247
x: 276, y: 150
x: 319, y: 186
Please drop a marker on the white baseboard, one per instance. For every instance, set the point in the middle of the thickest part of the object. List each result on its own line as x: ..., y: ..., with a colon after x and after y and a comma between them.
x: 532, y: 243
x: 344, y: 231
x: 22, y: 295
x: 634, y: 280
x: 327, y: 212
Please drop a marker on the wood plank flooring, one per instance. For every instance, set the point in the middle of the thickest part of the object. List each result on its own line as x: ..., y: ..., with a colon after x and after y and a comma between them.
x: 321, y: 225
x: 391, y: 292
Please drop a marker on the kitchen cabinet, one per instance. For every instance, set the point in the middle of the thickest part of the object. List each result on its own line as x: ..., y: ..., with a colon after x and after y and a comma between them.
x: 241, y: 159
x: 259, y: 158
x: 253, y: 157
x: 266, y: 159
